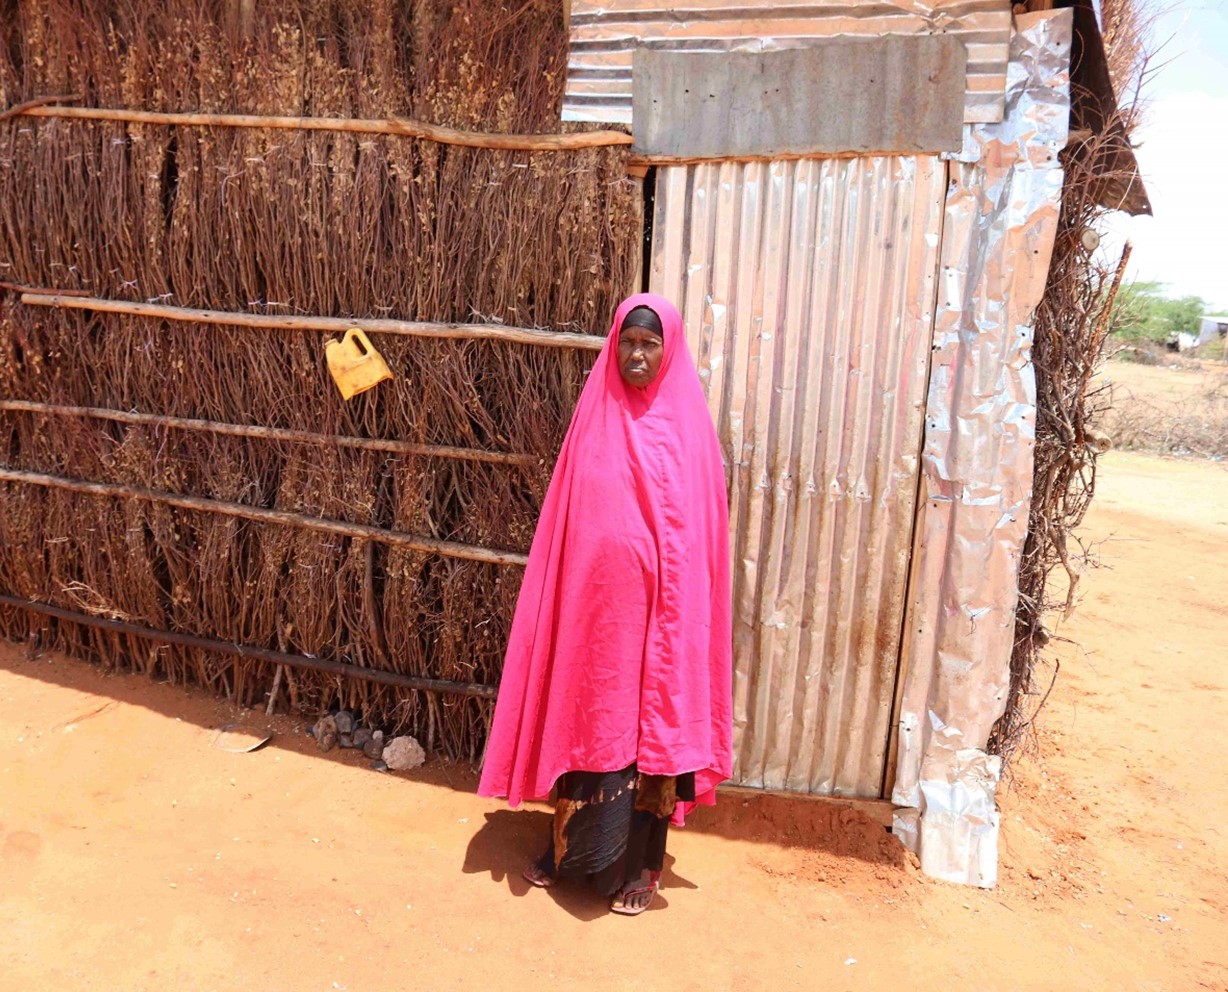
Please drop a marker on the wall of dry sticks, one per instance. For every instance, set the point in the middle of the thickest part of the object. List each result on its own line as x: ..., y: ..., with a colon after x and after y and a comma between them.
x: 1071, y: 329
x: 288, y: 222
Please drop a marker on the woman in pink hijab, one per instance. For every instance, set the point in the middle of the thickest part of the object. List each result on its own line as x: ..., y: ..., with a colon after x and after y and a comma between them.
x: 616, y: 689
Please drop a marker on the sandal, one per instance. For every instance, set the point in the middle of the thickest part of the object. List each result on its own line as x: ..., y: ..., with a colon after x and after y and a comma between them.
x: 536, y: 877
x: 619, y: 903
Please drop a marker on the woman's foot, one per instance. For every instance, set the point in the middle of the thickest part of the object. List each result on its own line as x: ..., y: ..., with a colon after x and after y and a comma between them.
x: 636, y: 896
x: 536, y: 875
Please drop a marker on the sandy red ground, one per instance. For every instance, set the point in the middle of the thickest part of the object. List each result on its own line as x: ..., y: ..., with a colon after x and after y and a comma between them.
x: 137, y: 855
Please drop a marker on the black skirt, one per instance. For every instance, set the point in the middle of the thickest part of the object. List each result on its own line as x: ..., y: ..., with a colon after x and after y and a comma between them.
x: 609, y: 827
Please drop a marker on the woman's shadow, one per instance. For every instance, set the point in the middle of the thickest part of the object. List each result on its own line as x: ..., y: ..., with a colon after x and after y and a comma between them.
x: 511, y: 839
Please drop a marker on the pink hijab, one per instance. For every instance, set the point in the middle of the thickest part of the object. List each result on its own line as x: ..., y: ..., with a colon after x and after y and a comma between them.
x: 621, y: 647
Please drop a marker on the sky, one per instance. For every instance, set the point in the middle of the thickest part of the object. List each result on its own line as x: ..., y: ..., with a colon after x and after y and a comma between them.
x: 1183, y: 155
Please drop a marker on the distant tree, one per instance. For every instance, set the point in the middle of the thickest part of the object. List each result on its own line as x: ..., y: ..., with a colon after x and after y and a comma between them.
x: 1143, y: 310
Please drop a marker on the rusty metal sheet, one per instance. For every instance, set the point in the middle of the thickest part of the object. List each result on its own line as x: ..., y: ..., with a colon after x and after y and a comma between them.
x: 605, y: 33
x: 836, y: 95
x: 807, y: 290
x: 1000, y: 222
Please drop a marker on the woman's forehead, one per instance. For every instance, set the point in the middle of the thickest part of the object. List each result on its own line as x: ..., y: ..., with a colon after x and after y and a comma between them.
x: 638, y: 330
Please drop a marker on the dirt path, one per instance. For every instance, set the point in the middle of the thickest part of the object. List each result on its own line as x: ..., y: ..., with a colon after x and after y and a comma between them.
x: 136, y: 855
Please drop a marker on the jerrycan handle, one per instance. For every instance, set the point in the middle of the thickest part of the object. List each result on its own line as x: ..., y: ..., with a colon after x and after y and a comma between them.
x: 359, y: 340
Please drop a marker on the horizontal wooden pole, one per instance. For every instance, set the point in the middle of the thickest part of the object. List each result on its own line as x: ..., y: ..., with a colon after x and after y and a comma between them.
x: 18, y: 287
x: 400, y: 126
x: 338, y: 325
x: 270, y: 433
x: 254, y: 653
x: 450, y: 549
x: 40, y: 101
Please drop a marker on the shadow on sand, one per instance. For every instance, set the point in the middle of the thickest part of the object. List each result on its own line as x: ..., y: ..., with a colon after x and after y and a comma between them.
x: 511, y: 839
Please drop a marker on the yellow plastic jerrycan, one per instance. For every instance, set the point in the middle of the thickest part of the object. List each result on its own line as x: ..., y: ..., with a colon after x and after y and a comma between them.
x: 354, y: 363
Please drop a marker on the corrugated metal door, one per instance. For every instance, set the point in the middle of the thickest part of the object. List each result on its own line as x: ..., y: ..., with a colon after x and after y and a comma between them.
x: 807, y: 288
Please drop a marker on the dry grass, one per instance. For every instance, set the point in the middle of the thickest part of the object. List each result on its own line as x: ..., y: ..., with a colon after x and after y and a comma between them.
x: 286, y: 222
x: 1173, y: 409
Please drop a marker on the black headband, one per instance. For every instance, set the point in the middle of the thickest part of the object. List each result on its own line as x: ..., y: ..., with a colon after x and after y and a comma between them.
x: 646, y: 318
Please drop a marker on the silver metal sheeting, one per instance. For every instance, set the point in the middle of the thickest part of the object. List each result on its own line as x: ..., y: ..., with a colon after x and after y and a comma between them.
x: 1001, y: 220
x: 604, y: 33
x: 807, y: 290
x: 837, y: 95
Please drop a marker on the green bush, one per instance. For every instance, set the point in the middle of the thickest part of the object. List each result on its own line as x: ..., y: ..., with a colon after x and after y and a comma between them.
x: 1142, y: 310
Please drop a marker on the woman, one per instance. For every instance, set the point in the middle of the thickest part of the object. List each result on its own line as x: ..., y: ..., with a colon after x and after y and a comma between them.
x: 616, y: 686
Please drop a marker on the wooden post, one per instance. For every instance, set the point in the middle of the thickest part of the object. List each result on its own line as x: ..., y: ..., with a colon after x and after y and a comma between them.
x: 245, y: 511
x: 338, y: 325
x: 269, y: 433
x: 253, y: 653
x: 241, y: 15
x: 404, y: 126
x: 275, y: 690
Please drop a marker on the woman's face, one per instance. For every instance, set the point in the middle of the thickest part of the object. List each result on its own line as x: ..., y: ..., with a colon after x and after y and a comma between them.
x: 640, y: 351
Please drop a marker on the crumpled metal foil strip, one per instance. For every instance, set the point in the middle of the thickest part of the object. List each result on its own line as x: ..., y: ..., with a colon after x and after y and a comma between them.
x: 1001, y: 220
